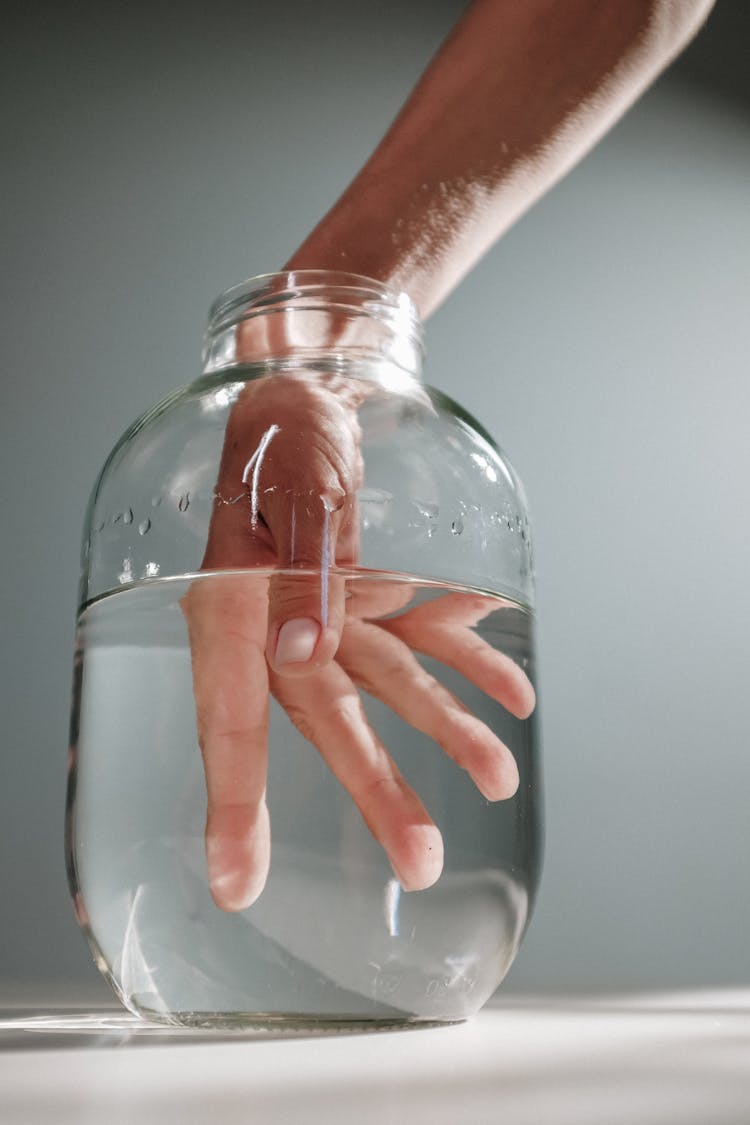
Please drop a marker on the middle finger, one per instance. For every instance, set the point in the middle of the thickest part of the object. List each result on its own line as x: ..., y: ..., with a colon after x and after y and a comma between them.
x: 327, y: 710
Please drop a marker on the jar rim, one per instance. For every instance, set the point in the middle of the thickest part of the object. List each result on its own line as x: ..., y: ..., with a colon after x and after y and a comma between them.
x: 333, y: 317
x: 337, y: 289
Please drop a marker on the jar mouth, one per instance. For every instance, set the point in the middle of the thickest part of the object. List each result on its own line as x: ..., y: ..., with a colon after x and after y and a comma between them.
x: 337, y: 288
x: 324, y: 312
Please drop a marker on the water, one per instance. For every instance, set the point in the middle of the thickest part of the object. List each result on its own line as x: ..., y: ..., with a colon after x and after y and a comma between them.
x: 332, y: 937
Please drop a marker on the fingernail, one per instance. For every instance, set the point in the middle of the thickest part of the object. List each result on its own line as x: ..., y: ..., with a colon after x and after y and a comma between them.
x: 297, y: 640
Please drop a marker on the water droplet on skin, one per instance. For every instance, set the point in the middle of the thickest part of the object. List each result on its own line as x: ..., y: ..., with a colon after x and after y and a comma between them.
x: 144, y: 526
x: 184, y: 502
x: 227, y: 500
x: 457, y: 526
x: 127, y: 515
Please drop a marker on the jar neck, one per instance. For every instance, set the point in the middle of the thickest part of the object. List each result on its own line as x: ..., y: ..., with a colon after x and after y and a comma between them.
x: 319, y: 320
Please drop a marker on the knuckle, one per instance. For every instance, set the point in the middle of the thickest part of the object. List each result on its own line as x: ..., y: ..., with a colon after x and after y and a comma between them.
x: 344, y: 712
x: 386, y: 789
x: 301, y: 720
x: 213, y: 739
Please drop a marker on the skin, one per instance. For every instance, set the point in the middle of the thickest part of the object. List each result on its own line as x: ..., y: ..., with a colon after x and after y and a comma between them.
x: 517, y: 95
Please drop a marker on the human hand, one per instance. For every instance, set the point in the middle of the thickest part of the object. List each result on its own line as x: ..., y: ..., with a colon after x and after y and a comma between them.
x: 285, y: 518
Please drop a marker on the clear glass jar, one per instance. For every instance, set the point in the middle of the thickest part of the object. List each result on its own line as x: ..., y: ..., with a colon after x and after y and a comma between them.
x: 437, y: 568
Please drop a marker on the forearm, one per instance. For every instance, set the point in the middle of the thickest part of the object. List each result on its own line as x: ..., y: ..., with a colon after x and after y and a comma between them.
x: 518, y: 93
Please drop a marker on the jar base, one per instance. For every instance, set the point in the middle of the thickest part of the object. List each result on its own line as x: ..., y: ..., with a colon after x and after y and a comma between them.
x: 285, y: 1023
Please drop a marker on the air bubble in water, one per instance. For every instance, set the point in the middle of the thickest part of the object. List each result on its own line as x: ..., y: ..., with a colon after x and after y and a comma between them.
x: 429, y: 513
x: 144, y: 526
x: 427, y: 509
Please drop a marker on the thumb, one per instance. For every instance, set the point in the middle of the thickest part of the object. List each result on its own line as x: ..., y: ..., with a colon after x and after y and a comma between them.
x: 306, y: 601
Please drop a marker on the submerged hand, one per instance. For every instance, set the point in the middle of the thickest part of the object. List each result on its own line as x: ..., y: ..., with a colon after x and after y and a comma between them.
x: 286, y: 504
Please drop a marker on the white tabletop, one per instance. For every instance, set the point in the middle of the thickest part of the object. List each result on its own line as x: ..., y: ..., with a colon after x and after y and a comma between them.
x: 655, y: 1058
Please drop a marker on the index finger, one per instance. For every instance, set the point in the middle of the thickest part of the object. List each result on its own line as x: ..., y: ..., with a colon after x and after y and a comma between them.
x: 226, y: 619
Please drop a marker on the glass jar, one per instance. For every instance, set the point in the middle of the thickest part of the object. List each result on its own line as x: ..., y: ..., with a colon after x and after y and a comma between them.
x: 432, y: 569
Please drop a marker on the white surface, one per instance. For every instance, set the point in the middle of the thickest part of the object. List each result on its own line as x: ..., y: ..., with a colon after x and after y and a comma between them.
x: 650, y: 1059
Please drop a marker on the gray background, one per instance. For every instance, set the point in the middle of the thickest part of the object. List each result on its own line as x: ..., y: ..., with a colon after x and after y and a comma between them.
x: 153, y: 156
